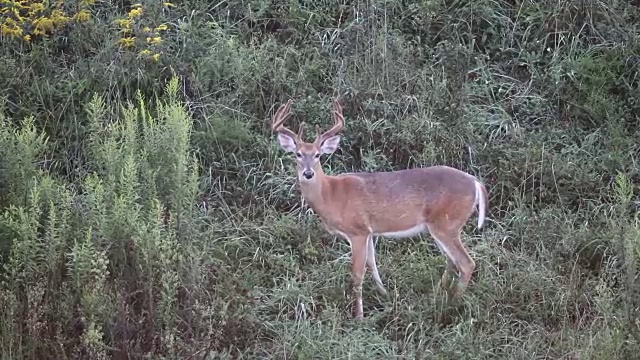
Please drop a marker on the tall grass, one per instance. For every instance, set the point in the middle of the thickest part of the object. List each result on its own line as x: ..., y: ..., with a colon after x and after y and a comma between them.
x: 147, y: 211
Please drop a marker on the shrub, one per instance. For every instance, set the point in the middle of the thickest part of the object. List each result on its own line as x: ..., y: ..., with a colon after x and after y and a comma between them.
x: 147, y: 210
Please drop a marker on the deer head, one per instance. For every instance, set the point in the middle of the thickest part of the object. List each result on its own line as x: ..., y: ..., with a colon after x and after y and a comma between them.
x: 308, y: 154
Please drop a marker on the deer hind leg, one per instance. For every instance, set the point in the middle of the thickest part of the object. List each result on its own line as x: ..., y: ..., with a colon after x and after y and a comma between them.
x: 449, y: 272
x: 450, y: 243
x: 371, y: 263
x: 358, y: 269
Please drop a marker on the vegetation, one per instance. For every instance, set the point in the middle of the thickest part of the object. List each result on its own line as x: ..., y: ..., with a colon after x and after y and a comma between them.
x: 147, y: 211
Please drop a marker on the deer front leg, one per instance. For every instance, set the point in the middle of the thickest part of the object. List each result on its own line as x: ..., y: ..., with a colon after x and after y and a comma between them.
x: 358, y: 268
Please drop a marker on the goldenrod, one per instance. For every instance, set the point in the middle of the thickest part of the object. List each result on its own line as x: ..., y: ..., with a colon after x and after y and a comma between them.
x: 127, y: 41
x: 154, y: 40
x: 83, y: 15
x: 134, y: 13
x: 28, y: 18
x: 125, y: 23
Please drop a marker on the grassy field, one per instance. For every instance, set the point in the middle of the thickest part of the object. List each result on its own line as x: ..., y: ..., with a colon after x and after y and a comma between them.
x: 147, y: 210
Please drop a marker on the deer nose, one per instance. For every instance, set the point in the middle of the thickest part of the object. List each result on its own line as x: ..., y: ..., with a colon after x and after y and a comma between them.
x: 308, y: 174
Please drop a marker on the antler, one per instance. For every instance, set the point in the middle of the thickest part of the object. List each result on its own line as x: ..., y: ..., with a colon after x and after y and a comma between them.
x: 282, y: 115
x: 338, y: 123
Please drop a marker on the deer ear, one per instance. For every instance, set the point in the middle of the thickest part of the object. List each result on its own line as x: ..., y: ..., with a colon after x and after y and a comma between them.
x: 330, y: 145
x: 286, y: 142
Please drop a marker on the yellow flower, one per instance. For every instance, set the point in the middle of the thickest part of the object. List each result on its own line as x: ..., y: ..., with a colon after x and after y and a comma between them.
x: 43, y: 24
x: 27, y: 38
x: 83, y: 15
x: 156, y: 57
x: 162, y: 27
x: 136, y: 5
x: 16, y: 13
x: 125, y: 23
x: 36, y: 7
x: 168, y: 4
x: 134, y: 13
x: 10, y: 21
x: 127, y: 41
x: 12, y: 31
x: 146, y: 29
x: 145, y: 52
x: 154, y: 40
x: 59, y: 18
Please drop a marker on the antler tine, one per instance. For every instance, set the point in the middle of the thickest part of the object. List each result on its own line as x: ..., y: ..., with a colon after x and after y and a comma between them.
x: 338, y: 122
x: 282, y: 115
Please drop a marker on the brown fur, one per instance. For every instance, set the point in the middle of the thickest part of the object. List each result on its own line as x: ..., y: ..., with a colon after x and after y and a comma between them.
x: 358, y: 206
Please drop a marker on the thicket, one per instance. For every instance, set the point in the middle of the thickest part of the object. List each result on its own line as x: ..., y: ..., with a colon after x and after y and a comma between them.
x: 147, y: 211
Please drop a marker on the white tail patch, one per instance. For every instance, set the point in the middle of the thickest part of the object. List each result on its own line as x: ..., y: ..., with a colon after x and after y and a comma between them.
x: 481, y: 202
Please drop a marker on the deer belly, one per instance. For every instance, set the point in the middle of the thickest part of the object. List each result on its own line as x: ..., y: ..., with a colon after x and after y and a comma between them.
x: 403, y: 233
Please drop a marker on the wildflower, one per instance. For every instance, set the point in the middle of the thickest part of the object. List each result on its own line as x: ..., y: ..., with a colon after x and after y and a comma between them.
x: 27, y: 38
x: 145, y: 52
x: 59, y: 18
x: 168, y: 4
x: 134, y: 13
x: 146, y: 29
x: 36, y: 7
x: 13, y: 31
x: 127, y: 41
x: 16, y: 13
x: 156, y: 57
x: 43, y: 24
x: 154, y: 40
x: 125, y: 23
x: 162, y: 27
x: 83, y: 15
x: 136, y: 5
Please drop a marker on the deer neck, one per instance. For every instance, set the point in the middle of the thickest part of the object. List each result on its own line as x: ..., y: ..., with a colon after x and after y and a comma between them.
x: 312, y: 191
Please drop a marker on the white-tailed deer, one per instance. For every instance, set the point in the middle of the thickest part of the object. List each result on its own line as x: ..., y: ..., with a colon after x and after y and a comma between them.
x: 358, y: 206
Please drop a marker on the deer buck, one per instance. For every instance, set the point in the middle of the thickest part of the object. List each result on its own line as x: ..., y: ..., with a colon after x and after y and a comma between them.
x: 398, y: 204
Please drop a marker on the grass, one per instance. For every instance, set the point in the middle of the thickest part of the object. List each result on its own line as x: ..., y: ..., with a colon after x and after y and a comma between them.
x: 146, y: 209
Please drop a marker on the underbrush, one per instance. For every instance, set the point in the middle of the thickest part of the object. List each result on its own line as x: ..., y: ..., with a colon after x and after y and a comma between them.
x: 147, y: 210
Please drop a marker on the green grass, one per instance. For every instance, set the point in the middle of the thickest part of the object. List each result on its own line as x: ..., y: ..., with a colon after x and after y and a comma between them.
x: 147, y: 211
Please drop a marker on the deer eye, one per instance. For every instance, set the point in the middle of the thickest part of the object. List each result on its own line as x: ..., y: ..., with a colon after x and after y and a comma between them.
x: 317, y: 155
x: 298, y: 155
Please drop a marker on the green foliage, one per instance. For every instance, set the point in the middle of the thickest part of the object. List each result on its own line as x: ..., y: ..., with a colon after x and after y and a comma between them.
x: 77, y: 247
x: 147, y: 211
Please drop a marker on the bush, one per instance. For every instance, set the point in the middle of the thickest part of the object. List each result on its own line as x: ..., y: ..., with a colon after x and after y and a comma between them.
x: 146, y: 209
